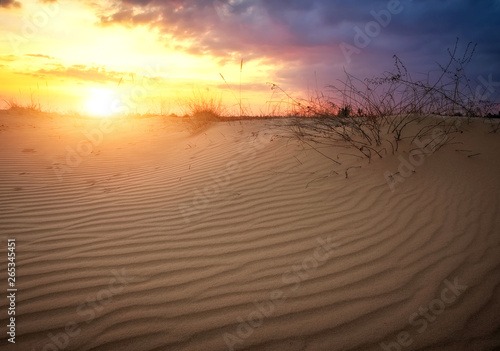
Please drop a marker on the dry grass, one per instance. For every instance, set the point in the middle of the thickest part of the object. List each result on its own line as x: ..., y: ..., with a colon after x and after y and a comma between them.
x: 13, y: 105
x: 373, y: 116
x: 202, y: 109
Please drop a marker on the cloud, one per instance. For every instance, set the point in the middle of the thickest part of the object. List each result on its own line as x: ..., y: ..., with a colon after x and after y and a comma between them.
x: 307, y: 35
x: 216, y: 26
x: 96, y: 74
x: 8, y: 58
x: 10, y: 3
x: 40, y: 56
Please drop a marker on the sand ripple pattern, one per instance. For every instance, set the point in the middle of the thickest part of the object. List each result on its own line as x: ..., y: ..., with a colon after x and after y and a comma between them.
x: 172, y: 245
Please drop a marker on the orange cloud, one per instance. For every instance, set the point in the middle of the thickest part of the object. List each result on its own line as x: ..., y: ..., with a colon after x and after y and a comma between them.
x: 10, y: 3
x: 40, y: 56
x: 96, y: 74
x: 8, y: 58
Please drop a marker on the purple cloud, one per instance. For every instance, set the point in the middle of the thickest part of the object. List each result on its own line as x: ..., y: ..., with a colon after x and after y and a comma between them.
x: 308, y: 35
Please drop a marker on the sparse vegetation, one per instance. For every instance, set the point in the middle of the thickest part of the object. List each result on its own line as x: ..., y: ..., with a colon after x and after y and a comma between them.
x: 242, y: 109
x: 13, y: 105
x: 33, y: 103
x: 373, y: 116
x: 203, y: 108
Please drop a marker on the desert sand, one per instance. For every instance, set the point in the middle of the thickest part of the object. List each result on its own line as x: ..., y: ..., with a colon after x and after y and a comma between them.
x: 134, y: 234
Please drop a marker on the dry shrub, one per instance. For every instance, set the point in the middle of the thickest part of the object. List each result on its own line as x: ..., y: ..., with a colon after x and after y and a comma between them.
x: 372, y: 116
x: 202, y: 109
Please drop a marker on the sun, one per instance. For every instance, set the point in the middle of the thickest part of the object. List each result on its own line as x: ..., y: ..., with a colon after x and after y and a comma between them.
x: 100, y: 102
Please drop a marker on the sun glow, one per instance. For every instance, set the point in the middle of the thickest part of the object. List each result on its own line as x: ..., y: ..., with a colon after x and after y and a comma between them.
x: 101, y: 102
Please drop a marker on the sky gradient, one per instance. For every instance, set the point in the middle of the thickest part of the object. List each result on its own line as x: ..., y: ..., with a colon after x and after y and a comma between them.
x: 152, y: 54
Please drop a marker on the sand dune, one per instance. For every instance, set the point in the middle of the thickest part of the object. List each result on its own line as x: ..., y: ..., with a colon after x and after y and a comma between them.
x: 147, y: 237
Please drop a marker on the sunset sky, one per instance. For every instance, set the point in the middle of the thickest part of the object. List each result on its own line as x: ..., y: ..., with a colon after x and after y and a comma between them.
x: 148, y: 55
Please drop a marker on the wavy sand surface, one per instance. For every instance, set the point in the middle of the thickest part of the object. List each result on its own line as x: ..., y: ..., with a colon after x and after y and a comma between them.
x: 151, y: 238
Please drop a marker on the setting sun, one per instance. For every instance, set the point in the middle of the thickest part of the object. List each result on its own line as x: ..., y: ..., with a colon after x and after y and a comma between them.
x: 249, y: 175
x: 100, y: 102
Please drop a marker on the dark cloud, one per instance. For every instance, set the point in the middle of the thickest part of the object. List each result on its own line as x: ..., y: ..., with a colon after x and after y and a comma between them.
x: 10, y: 3
x: 309, y: 35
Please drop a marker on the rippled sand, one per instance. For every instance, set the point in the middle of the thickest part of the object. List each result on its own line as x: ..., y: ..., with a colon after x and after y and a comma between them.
x: 148, y: 237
